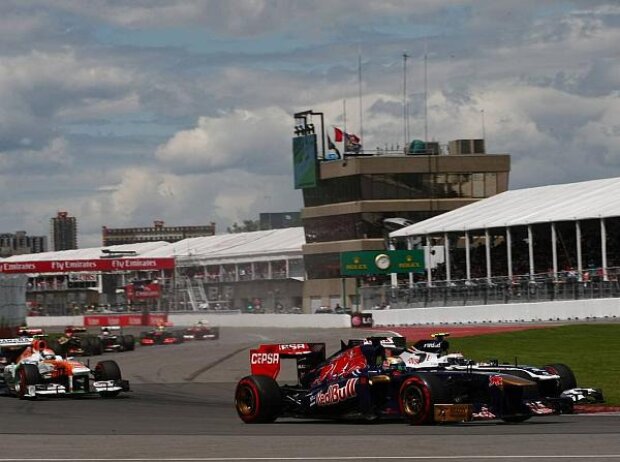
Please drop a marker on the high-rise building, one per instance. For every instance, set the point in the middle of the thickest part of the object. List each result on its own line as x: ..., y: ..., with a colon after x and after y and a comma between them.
x: 64, y: 231
x: 157, y: 232
x: 279, y: 220
x: 348, y: 198
x: 19, y: 243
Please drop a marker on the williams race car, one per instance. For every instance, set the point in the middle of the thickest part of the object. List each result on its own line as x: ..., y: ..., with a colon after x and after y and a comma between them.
x: 364, y: 381
x: 30, y: 369
x: 113, y: 339
x: 554, y: 380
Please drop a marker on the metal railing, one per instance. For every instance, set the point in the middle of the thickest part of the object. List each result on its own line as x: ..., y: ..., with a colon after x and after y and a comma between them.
x: 498, y: 290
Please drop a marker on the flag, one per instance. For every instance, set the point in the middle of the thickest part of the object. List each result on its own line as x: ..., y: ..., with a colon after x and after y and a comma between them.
x: 352, y: 143
x: 332, y: 151
x: 338, y: 135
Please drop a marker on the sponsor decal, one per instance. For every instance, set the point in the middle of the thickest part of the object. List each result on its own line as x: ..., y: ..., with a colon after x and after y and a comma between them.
x: 496, y: 381
x: 66, y: 266
x: 336, y: 394
x: 293, y: 346
x: 264, y: 358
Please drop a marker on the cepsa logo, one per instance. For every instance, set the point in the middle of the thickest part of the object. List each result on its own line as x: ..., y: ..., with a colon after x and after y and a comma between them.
x: 265, y: 358
x: 293, y: 346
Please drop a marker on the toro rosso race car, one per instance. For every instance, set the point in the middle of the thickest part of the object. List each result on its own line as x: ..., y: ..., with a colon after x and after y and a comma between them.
x: 364, y: 381
x: 30, y: 369
x: 554, y: 380
x: 201, y: 331
x: 161, y: 336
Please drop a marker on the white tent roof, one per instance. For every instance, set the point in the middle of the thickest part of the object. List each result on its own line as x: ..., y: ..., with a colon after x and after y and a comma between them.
x: 545, y: 204
x: 275, y: 244
x: 235, y: 248
x: 88, y: 254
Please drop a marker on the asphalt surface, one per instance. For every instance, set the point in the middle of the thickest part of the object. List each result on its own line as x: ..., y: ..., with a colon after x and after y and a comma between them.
x: 181, y: 408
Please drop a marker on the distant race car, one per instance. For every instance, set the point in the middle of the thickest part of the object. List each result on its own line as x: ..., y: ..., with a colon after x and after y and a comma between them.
x: 555, y: 381
x: 30, y: 369
x: 76, y: 341
x: 364, y: 381
x: 201, y: 331
x: 113, y: 339
x: 161, y: 336
x: 25, y: 331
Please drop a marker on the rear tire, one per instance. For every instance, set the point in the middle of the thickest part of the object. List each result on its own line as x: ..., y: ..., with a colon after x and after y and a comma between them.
x: 107, y: 370
x: 417, y: 396
x: 28, y: 375
x: 96, y: 346
x: 129, y: 343
x: 258, y: 399
x: 567, y: 377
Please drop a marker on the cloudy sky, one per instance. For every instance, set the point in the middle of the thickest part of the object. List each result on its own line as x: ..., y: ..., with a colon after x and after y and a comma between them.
x: 122, y: 112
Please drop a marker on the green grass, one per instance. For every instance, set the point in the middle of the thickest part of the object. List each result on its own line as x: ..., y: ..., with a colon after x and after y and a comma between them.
x: 592, y: 351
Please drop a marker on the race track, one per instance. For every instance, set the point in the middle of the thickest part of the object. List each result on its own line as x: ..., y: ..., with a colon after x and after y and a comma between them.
x: 181, y: 409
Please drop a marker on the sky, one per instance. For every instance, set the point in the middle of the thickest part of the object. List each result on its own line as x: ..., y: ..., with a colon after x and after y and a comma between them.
x: 125, y: 112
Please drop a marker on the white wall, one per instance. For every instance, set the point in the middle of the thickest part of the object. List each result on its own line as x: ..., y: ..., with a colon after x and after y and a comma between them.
x: 517, y: 312
x: 225, y: 320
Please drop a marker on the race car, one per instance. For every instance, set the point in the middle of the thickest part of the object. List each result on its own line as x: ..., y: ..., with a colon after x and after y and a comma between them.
x: 364, y: 381
x: 26, y: 331
x: 113, y: 339
x: 161, y: 336
x: 76, y: 341
x: 30, y: 369
x: 201, y: 331
x: 553, y: 380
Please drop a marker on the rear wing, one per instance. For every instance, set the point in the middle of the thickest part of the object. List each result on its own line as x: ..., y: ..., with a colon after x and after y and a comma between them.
x: 15, y: 342
x: 110, y: 328
x: 265, y: 360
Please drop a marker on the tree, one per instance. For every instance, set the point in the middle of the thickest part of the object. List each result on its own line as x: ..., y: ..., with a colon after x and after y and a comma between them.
x: 246, y: 227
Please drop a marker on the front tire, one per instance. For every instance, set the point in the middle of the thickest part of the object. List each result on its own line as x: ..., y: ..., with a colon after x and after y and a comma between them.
x: 417, y: 397
x: 108, y: 370
x: 567, y: 377
x: 28, y: 375
x: 258, y: 399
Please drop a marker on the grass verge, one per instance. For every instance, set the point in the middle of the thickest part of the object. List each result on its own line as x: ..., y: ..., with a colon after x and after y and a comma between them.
x: 592, y: 351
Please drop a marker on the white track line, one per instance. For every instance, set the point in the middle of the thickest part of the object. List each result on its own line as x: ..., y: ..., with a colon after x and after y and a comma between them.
x: 324, y: 458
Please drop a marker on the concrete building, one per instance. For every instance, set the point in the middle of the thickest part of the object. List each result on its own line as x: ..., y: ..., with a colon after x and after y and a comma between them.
x: 64, y: 232
x: 346, y: 207
x: 157, y: 232
x: 19, y: 243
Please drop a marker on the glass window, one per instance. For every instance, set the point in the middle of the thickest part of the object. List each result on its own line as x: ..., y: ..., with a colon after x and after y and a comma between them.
x: 490, y: 184
x: 477, y: 185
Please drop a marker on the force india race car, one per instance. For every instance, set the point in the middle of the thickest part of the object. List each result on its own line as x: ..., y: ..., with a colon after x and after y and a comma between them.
x: 30, y: 369
x: 554, y: 380
x: 362, y: 381
x: 201, y: 331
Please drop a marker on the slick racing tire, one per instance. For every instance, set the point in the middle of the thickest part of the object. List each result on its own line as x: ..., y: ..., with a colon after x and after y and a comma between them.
x: 107, y: 370
x: 96, y: 346
x: 129, y: 342
x: 258, y: 399
x: 86, y: 343
x: 28, y: 375
x: 516, y: 418
x: 417, y: 396
x: 567, y: 377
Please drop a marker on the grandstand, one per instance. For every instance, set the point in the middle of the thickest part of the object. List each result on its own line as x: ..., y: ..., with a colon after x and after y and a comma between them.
x: 544, y: 243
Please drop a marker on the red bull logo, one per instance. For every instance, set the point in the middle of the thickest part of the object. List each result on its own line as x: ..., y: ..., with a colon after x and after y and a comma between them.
x: 336, y: 394
x: 496, y: 381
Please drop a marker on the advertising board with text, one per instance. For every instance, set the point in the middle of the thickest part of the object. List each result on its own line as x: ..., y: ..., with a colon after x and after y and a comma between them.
x: 372, y: 262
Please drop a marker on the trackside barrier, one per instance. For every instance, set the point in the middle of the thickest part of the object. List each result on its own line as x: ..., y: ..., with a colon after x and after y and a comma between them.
x: 224, y: 320
x: 608, y: 308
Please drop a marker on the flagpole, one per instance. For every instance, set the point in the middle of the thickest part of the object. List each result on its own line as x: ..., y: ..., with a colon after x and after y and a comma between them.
x: 344, y: 112
x: 425, y: 95
x: 405, y: 134
x: 359, y: 78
